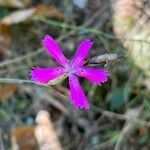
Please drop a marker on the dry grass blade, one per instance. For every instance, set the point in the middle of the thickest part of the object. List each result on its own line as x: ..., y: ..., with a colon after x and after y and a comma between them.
x: 105, y: 58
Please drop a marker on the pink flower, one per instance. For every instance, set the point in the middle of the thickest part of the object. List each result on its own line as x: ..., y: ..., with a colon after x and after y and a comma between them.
x: 70, y: 69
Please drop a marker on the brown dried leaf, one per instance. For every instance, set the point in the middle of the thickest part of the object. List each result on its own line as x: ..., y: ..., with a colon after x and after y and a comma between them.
x: 48, y: 11
x: 143, y: 130
x: 23, y: 138
x: 5, y: 38
x: 7, y: 90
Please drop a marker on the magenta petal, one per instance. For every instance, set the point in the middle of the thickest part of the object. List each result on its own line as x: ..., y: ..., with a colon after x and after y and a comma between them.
x: 44, y: 75
x: 97, y: 76
x: 77, y: 95
x: 54, y: 50
x: 82, y: 53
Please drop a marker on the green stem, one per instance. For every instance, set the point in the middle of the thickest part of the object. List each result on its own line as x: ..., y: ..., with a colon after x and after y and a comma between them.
x: 89, y: 30
x: 16, y: 81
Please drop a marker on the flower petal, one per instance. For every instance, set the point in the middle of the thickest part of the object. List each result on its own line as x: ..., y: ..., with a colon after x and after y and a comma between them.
x: 46, y: 75
x: 77, y: 95
x: 81, y: 53
x: 97, y: 76
x: 54, y: 50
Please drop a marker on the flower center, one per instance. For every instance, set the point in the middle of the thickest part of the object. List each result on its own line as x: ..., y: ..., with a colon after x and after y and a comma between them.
x: 70, y: 70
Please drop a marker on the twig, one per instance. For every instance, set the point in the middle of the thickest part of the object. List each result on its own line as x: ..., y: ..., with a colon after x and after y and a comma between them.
x: 120, y: 116
x: 20, y: 58
x: 96, y: 15
x: 1, y: 142
x: 102, y: 145
x: 44, y: 94
x: 128, y: 127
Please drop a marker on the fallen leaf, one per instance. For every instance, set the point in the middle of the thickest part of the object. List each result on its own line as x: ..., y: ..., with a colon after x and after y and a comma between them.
x: 23, y: 138
x: 45, y: 133
x: 15, y: 3
x: 5, y: 39
x: 40, y: 11
x: 143, y: 130
x: 7, y: 90
x: 18, y: 16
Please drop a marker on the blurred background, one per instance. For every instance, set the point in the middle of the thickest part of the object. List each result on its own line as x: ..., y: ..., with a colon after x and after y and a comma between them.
x: 34, y: 117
